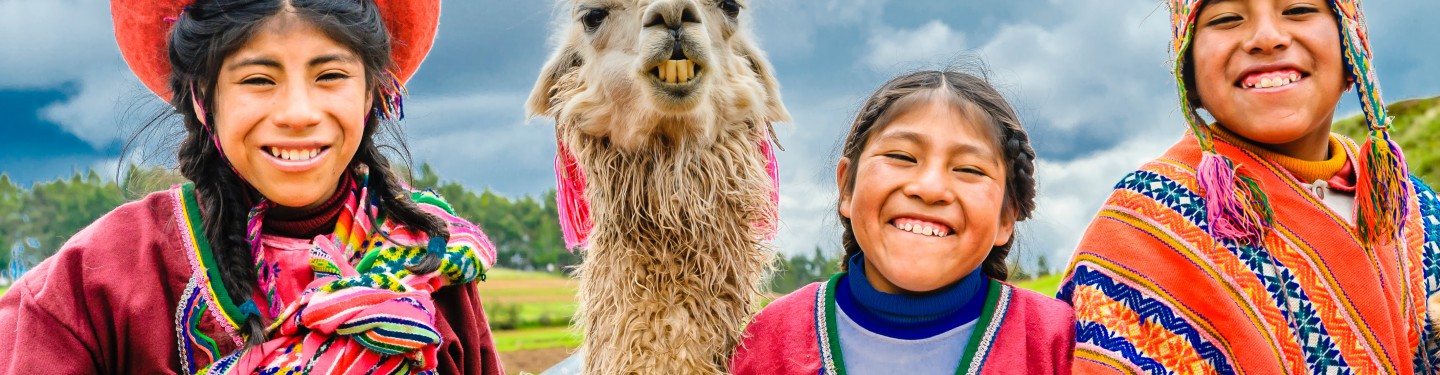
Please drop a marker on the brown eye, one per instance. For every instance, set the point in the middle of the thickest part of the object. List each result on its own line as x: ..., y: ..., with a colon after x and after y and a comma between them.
x: 593, y: 18
x: 333, y: 77
x: 1223, y: 20
x: 970, y: 170
x: 257, y: 81
x: 901, y: 157
x: 1300, y: 10
x: 730, y: 7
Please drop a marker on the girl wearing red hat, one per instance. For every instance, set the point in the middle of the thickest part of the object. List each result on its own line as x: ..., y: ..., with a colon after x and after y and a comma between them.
x: 294, y: 246
x: 1262, y: 243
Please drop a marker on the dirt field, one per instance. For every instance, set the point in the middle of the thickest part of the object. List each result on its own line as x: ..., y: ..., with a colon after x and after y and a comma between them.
x: 532, y: 361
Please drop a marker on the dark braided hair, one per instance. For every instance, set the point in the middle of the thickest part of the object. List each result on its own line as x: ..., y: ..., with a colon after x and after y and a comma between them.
x: 203, y: 36
x: 969, y: 93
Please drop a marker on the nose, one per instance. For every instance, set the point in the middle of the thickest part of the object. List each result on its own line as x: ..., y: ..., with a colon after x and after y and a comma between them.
x: 1268, y: 35
x: 673, y: 15
x: 296, y: 109
x: 930, y: 185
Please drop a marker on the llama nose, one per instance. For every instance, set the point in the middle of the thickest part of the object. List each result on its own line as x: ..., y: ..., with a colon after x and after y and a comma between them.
x: 677, y: 51
x: 672, y: 14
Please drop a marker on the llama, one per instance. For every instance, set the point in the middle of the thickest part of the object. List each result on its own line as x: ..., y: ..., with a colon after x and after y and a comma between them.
x: 663, y: 111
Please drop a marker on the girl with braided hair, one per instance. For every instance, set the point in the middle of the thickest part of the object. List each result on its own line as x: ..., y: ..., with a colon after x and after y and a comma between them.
x: 294, y: 247
x: 934, y: 174
x: 1262, y: 243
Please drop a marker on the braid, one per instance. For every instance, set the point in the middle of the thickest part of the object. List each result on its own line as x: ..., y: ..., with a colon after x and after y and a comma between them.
x: 1019, y: 192
x: 224, y: 207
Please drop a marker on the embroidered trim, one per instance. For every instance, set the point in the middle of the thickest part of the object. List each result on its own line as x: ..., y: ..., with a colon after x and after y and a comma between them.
x: 997, y: 302
x: 182, y: 325
x: 197, y: 251
x: 824, y: 314
x: 992, y: 316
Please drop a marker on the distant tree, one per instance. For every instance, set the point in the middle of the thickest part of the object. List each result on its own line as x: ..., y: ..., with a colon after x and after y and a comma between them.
x: 798, y: 270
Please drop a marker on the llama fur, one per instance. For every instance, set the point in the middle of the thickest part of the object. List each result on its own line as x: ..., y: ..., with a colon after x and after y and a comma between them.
x: 675, y: 180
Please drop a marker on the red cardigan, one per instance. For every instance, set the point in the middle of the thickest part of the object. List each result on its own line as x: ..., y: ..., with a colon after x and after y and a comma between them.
x: 108, y: 302
x: 1032, y: 334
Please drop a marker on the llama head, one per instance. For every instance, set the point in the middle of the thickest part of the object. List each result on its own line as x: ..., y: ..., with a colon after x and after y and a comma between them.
x: 636, y: 71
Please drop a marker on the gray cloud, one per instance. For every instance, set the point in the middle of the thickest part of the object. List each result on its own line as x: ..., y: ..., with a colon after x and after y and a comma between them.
x: 68, y: 43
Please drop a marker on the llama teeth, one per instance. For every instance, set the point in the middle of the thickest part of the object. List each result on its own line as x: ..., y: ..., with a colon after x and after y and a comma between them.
x: 676, y: 71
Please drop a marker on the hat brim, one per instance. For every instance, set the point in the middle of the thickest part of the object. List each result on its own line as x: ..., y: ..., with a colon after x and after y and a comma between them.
x: 142, y: 31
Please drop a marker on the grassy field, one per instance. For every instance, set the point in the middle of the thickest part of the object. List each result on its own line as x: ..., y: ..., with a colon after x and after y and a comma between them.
x: 1047, y: 285
x: 536, y: 338
x: 518, y: 300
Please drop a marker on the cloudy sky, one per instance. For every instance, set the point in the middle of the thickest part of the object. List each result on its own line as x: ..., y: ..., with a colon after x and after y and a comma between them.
x: 1090, y: 79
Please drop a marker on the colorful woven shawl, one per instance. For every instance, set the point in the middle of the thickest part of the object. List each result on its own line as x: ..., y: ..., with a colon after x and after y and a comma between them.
x: 374, y: 316
x: 1237, y: 205
x: 1155, y: 292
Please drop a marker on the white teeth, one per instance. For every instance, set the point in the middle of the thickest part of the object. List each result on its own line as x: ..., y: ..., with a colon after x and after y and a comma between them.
x: 922, y: 229
x: 1269, y: 82
x: 293, y: 154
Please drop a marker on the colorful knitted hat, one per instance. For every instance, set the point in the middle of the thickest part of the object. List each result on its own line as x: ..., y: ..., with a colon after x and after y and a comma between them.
x: 1235, y: 204
x: 142, y: 28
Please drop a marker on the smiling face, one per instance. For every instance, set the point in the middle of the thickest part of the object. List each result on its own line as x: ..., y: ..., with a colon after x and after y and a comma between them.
x: 290, y: 110
x: 928, y: 202
x: 1271, y: 71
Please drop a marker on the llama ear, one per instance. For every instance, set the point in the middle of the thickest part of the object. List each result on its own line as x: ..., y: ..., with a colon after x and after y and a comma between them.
x: 547, y: 86
x: 774, y: 108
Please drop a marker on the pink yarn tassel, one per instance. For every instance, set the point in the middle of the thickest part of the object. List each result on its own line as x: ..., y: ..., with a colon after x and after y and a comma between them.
x: 772, y: 168
x: 570, y: 199
x: 1228, y: 215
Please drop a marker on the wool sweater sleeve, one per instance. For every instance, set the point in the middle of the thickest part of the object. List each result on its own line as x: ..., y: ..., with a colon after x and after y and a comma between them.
x: 469, y: 347
x: 102, y: 303
x: 36, y: 330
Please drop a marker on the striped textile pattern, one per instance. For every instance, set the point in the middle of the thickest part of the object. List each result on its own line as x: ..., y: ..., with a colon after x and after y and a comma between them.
x: 1155, y: 292
x: 365, y: 312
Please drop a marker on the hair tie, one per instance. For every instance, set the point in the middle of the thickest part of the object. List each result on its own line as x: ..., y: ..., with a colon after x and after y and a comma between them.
x: 248, y: 309
x: 437, y: 245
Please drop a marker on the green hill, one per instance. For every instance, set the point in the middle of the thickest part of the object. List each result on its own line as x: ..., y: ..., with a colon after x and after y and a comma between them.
x: 1416, y: 129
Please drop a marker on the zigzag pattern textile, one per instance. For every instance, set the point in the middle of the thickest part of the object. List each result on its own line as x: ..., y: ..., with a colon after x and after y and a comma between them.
x: 1155, y: 292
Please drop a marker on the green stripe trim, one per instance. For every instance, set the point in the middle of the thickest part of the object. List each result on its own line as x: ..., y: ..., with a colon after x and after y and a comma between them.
x: 207, y: 258
x: 832, y: 330
x: 987, y: 314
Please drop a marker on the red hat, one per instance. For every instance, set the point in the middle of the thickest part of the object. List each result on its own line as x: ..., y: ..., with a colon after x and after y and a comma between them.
x: 142, y: 31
